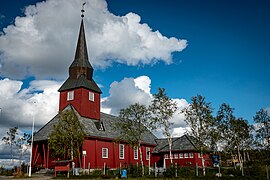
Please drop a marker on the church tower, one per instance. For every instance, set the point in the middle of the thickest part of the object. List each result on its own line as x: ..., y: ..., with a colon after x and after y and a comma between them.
x: 80, y: 90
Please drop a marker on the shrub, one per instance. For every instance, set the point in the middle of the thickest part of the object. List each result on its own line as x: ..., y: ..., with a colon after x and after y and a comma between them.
x: 96, y: 173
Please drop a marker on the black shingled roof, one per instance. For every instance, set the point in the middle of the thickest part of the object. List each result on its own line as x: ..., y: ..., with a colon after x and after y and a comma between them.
x: 82, y: 81
x: 81, y: 55
x: 183, y: 143
x: 92, y: 128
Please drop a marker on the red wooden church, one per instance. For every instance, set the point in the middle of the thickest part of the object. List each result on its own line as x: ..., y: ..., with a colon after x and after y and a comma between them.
x: 81, y: 94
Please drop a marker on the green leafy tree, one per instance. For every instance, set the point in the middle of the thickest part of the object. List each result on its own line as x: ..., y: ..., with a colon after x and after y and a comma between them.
x: 262, y: 118
x: 235, y: 132
x: 200, y: 120
x: 10, y: 139
x: 133, y: 125
x: 223, y: 122
x: 240, y: 136
x: 67, y: 136
x: 162, y: 109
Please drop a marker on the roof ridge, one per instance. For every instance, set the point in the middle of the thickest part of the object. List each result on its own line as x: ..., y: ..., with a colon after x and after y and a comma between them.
x: 187, y: 136
x: 168, y: 143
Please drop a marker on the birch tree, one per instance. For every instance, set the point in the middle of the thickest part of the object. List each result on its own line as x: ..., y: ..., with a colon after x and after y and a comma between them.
x: 262, y: 120
x: 10, y: 139
x: 240, y: 136
x: 134, y: 123
x: 162, y: 109
x: 23, y: 144
x: 234, y: 132
x: 199, y: 118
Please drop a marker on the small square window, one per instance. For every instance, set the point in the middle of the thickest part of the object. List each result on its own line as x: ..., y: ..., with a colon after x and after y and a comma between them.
x: 166, y: 156
x: 181, y: 155
x: 191, y: 155
x: 199, y: 155
x: 186, y: 155
x: 70, y: 95
x: 91, y: 96
x: 175, y: 156
x: 104, y: 152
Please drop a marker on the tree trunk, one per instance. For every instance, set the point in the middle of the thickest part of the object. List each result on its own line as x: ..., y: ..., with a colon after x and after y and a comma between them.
x: 72, y: 157
x: 248, y: 156
x: 141, y: 159
x: 233, y: 161
x: 203, y: 167
x: 220, y: 159
x: 240, y: 160
x: 170, y: 149
x: 11, y: 151
x: 21, y: 155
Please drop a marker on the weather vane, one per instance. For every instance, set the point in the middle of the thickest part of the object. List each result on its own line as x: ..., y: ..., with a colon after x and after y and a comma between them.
x: 82, y: 15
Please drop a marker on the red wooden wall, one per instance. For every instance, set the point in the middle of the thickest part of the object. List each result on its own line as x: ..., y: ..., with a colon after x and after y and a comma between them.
x: 81, y: 102
x: 93, y: 148
x: 188, y: 161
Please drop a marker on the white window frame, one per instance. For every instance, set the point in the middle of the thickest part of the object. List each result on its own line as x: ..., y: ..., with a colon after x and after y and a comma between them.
x: 70, y: 95
x: 199, y: 155
x: 166, y: 156
x: 105, y: 153
x: 136, y: 155
x: 181, y: 155
x: 121, y: 151
x: 147, y: 149
x: 175, y: 156
x: 185, y: 155
x: 191, y: 155
x: 91, y: 96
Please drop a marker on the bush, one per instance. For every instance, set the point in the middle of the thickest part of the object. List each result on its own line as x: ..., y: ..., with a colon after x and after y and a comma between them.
x: 96, y: 173
x: 186, y: 171
x: 135, y: 171
x: 113, y: 173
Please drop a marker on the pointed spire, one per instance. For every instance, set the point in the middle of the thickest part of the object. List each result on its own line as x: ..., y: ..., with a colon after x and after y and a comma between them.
x: 81, y: 64
x: 81, y: 55
x: 80, y: 71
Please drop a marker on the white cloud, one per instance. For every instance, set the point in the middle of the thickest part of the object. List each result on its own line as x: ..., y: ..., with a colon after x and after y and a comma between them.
x: 138, y: 90
x: 180, y: 131
x: 42, y: 42
x: 178, y: 118
x: 18, y: 107
x: 127, y: 92
x: 143, y: 83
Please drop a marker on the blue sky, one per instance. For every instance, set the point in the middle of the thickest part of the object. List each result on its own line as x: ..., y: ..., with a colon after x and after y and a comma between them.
x: 227, y: 58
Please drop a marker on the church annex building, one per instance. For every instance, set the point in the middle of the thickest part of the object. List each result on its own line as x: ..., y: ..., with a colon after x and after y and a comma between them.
x: 81, y: 94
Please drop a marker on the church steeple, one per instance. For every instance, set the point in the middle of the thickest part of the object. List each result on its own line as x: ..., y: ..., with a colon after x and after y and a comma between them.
x: 80, y: 71
x: 80, y: 90
x: 81, y: 64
